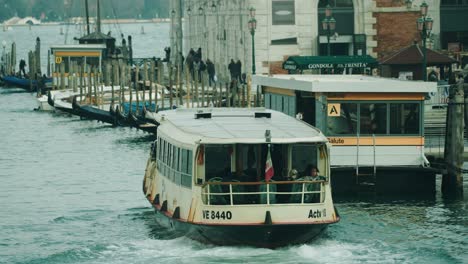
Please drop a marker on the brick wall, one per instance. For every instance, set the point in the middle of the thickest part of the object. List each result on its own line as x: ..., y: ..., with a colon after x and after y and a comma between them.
x: 395, y: 30
x: 276, y: 67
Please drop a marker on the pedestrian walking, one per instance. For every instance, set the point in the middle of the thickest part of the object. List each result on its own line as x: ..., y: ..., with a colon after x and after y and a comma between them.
x: 211, y: 72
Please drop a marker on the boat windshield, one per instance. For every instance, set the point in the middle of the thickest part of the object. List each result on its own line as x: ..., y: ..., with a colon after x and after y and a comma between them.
x: 239, y: 170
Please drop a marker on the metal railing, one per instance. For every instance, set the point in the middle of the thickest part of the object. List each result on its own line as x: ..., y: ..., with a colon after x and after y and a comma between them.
x: 440, y: 98
x: 274, y: 192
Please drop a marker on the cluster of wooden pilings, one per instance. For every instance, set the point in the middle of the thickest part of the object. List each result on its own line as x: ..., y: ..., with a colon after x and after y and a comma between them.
x: 8, y: 63
x: 157, y: 83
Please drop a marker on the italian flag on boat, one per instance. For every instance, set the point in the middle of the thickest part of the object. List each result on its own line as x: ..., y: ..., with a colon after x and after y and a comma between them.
x: 269, y: 171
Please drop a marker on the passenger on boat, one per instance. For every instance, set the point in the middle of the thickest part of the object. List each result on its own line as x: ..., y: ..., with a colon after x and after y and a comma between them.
x: 311, y: 174
x: 311, y: 194
x: 227, y: 176
x: 292, y: 175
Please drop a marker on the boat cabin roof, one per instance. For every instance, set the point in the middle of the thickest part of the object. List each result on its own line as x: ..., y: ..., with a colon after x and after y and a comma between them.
x: 234, y: 125
x: 343, y: 84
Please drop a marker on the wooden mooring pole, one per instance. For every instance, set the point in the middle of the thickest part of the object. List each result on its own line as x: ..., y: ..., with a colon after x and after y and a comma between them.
x: 452, y: 180
x: 465, y: 90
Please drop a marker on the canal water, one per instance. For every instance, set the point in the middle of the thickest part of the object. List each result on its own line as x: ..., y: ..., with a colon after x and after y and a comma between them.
x: 70, y: 192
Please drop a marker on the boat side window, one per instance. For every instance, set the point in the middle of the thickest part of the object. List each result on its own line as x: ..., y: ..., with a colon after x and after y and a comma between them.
x: 373, y: 118
x: 175, y: 165
x: 158, y: 157
x: 154, y: 149
x: 186, y: 167
x: 405, y: 118
x: 164, y: 153
x: 346, y: 122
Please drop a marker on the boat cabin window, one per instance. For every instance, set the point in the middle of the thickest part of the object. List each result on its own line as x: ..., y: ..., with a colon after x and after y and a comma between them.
x: 175, y: 163
x: 303, y: 155
x: 217, y: 160
x: 235, y: 174
x: 375, y: 118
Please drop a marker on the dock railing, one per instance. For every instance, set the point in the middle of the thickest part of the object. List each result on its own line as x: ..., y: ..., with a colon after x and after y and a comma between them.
x: 261, y: 193
x: 439, y: 99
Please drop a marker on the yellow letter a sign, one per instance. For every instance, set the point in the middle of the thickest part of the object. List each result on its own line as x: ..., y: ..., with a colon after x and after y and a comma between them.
x: 334, y: 109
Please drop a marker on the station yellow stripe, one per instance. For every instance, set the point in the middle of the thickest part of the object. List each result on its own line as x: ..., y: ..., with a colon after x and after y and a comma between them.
x: 274, y: 90
x: 379, y: 141
x: 77, y: 54
x: 375, y: 96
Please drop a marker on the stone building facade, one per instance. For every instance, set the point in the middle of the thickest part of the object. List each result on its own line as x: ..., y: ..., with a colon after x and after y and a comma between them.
x: 293, y: 27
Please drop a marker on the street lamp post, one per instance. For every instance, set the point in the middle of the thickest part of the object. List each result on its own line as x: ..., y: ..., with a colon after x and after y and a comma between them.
x: 424, y: 24
x: 252, y: 27
x: 328, y: 24
x: 189, y: 14
x: 214, y: 9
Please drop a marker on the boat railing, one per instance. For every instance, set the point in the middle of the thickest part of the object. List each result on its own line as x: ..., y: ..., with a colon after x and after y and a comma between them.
x: 266, y: 193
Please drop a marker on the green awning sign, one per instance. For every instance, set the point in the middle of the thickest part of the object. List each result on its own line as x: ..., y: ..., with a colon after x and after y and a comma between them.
x: 326, y: 62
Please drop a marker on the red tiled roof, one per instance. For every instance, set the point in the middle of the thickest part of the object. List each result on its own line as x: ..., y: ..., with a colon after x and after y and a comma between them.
x: 413, y: 55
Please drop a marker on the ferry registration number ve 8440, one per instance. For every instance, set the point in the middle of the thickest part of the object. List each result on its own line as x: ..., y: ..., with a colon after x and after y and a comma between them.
x: 216, y: 215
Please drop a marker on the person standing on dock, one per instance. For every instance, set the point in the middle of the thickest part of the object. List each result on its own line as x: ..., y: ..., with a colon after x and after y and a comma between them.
x: 189, y: 62
x: 238, y: 71
x: 198, y: 55
x: 168, y: 54
x: 211, y: 71
x: 201, y: 69
x: 22, y: 66
x: 232, y: 69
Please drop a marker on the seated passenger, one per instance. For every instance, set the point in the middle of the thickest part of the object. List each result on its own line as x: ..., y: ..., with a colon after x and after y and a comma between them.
x: 311, y: 190
x: 311, y: 174
x: 292, y: 175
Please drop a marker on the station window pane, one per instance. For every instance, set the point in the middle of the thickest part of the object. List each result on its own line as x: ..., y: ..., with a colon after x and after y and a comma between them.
x: 405, y: 118
x: 346, y: 122
x: 373, y: 118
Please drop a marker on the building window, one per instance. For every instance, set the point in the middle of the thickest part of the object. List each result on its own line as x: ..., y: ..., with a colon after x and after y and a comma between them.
x: 286, y: 41
x: 283, y: 12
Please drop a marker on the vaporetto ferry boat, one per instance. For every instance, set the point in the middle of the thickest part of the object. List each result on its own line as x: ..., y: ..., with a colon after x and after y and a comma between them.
x: 239, y: 177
